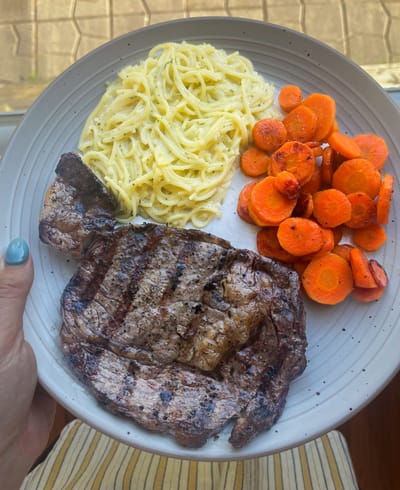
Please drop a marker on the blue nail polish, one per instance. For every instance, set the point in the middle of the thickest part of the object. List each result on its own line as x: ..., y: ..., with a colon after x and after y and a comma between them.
x: 17, y: 252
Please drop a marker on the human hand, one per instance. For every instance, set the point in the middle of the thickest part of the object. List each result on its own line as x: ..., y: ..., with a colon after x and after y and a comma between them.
x: 26, y: 410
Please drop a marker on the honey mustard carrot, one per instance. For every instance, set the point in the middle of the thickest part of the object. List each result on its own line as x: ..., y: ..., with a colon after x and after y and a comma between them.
x: 287, y: 184
x: 268, y: 245
x: 373, y: 148
x: 379, y: 273
x: 324, y: 107
x: 357, y: 175
x: 242, y: 207
x: 289, y: 97
x: 384, y: 199
x: 295, y: 157
x: 328, y: 279
x: 331, y: 208
x: 300, y: 124
x: 362, y: 275
x: 363, y: 210
x: 254, y: 162
x: 299, y: 236
x: 267, y: 206
x: 369, y: 238
x: 344, y: 145
x: 269, y: 134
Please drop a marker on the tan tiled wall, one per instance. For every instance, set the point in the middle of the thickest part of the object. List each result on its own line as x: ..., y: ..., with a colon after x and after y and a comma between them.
x: 40, y: 38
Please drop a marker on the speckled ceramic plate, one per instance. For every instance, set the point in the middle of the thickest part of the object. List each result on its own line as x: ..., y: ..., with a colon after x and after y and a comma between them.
x: 353, y: 348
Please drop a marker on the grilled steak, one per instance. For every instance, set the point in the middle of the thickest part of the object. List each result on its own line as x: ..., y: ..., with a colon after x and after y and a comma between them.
x: 76, y: 204
x: 181, y: 331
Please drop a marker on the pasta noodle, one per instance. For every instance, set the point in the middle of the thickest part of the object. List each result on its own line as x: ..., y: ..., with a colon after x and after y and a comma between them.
x: 166, y: 134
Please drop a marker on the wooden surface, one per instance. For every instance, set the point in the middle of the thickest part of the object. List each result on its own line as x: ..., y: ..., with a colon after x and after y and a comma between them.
x: 373, y: 437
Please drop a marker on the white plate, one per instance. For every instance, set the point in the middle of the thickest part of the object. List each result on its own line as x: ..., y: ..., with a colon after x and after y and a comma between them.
x: 353, y: 348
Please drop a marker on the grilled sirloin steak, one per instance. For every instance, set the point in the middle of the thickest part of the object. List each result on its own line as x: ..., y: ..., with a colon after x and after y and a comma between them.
x: 181, y: 331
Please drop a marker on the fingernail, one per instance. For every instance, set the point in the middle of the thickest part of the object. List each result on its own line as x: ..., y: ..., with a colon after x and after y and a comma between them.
x: 17, y: 252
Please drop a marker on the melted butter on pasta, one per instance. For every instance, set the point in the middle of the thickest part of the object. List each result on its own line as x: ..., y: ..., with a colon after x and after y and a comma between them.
x: 166, y: 135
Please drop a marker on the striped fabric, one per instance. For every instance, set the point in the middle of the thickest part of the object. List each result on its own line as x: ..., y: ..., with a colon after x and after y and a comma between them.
x: 86, y: 459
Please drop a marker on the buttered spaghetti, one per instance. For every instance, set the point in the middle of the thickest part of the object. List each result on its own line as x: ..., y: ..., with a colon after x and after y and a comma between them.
x: 166, y: 134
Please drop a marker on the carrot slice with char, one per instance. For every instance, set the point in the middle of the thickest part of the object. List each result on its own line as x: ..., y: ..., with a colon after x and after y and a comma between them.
x: 369, y: 238
x: 384, y: 199
x: 357, y: 175
x: 289, y: 97
x: 324, y: 107
x: 295, y: 157
x: 328, y: 279
x: 267, y: 206
x: 287, y: 184
x: 300, y: 124
x: 304, y: 206
x: 379, y: 273
x: 362, y: 274
x: 344, y: 145
x: 373, y: 148
x: 255, y: 162
x: 242, y: 206
x: 269, y: 134
x: 269, y: 246
x: 363, y: 210
x: 300, y: 236
x: 367, y: 295
x: 331, y: 208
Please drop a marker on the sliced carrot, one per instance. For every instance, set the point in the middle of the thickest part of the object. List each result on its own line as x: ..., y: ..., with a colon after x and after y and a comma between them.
x: 331, y: 208
x: 295, y: 157
x: 317, y: 151
x: 300, y: 236
x: 328, y: 279
x: 327, y: 166
x: 363, y: 210
x: 369, y: 238
x: 269, y: 134
x: 343, y: 250
x: 254, y: 162
x: 357, y: 175
x: 344, y: 145
x: 367, y: 295
x: 300, y: 124
x: 337, y: 234
x: 289, y: 97
x: 287, y: 184
x: 379, y: 273
x: 328, y: 244
x: 242, y: 206
x: 304, y: 206
x: 362, y: 274
x: 324, y: 107
x: 314, y: 184
x: 384, y: 199
x: 373, y: 148
x: 267, y: 206
x: 269, y: 246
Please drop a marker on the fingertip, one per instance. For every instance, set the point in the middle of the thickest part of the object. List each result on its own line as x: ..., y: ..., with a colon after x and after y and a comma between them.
x: 17, y: 252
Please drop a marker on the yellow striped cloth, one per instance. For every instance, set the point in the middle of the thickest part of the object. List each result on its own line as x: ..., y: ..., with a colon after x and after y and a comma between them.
x: 85, y: 459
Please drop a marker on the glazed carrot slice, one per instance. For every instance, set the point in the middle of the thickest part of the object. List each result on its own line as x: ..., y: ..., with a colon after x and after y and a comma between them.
x: 367, y: 295
x: 269, y: 246
x: 379, y: 273
x: 369, y: 238
x: 344, y: 145
x: 300, y: 236
x: 328, y: 244
x: 324, y: 108
x: 384, y: 199
x: 328, y: 279
x: 314, y: 184
x: 269, y: 134
x: 242, y: 206
x: 254, y: 162
x: 357, y: 175
x: 363, y: 210
x: 295, y: 157
x: 300, y: 124
x: 362, y: 274
x: 289, y: 97
x: 267, y: 206
x: 304, y: 206
x: 331, y: 208
x: 287, y: 184
x: 343, y: 249
x: 373, y: 148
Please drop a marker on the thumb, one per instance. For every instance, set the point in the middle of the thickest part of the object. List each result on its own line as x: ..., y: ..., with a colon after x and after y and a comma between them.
x: 16, y: 276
